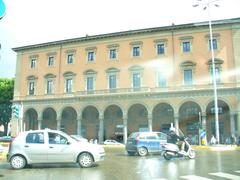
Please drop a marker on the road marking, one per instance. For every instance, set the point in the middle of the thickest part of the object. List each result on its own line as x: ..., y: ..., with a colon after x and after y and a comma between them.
x: 237, y: 171
x: 226, y: 175
x: 194, y: 177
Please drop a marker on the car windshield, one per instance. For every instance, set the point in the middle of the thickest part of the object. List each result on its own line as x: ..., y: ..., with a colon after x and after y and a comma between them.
x: 76, y: 138
x: 133, y: 135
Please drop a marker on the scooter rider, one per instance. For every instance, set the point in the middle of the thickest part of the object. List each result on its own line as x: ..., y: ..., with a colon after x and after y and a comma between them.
x: 176, y: 139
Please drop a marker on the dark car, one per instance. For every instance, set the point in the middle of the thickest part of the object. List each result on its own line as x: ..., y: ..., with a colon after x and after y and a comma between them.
x: 142, y: 143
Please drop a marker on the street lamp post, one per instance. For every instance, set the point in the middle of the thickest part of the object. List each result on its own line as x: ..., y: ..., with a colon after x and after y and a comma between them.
x: 207, y: 4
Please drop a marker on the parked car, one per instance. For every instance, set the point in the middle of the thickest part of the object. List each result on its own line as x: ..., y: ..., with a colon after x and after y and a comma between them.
x: 5, y: 139
x: 1, y: 149
x: 142, y: 143
x: 111, y: 142
x: 51, y: 146
x: 79, y: 138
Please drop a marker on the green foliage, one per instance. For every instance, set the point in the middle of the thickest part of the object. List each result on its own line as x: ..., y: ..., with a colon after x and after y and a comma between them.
x: 6, y: 96
x: 6, y: 90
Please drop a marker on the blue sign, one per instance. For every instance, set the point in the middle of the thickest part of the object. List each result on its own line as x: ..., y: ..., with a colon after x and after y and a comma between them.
x: 2, y: 9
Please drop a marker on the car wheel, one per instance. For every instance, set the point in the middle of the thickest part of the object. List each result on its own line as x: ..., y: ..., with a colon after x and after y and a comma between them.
x: 18, y: 162
x: 130, y: 153
x: 85, y: 160
x: 142, y: 151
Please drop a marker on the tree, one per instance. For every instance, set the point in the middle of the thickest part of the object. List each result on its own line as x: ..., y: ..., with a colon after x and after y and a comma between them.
x: 6, y: 96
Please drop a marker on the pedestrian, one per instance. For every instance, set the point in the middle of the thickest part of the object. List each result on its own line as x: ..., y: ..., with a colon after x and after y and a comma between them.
x: 213, y: 140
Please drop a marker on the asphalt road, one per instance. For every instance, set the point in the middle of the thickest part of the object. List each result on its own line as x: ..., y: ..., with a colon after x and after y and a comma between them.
x: 118, y: 166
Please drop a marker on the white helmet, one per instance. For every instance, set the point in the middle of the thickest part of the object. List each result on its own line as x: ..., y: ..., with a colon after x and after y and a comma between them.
x: 172, y: 129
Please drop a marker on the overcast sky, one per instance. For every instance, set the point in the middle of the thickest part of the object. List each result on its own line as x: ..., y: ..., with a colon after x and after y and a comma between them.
x: 30, y: 22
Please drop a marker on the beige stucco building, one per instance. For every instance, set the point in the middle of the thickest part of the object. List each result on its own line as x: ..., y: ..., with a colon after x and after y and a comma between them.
x: 135, y: 80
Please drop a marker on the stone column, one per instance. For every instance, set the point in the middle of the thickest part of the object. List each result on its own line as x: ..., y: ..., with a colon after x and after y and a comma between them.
x: 39, y: 124
x: 59, y: 117
x: 125, y: 133
x: 101, y: 129
x: 22, y: 124
x: 79, y: 126
x: 232, y: 123
x: 238, y: 117
x: 204, y: 122
x: 150, y: 122
x: 204, y: 127
x: 59, y: 124
x: 176, y: 123
x: 238, y: 123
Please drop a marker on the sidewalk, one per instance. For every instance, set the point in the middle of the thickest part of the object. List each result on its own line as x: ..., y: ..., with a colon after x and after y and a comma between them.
x: 219, y: 147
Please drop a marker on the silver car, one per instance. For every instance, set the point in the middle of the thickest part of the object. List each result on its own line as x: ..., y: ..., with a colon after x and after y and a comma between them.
x: 51, y: 146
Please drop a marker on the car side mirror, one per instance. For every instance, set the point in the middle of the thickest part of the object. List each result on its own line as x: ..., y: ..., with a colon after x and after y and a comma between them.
x: 68, y: 143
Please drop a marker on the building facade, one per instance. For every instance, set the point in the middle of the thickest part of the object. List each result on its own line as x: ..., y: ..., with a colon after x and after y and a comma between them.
x: 137, y: 80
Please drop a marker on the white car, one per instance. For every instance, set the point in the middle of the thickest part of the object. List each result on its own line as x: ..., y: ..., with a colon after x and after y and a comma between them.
x: 79, y: 138
x: 111, y: 142
x: 51, y: 146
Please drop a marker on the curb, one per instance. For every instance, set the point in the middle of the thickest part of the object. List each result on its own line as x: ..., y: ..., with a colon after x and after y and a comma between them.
x: 217, y: 148
x: 3, y: 156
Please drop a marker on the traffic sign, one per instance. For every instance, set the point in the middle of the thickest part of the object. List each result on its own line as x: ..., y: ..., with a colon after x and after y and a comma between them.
x: 16, y: 110
x: 2, y: 9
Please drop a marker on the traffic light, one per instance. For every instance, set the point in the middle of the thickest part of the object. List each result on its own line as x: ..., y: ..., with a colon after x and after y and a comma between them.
x: 16, y: 111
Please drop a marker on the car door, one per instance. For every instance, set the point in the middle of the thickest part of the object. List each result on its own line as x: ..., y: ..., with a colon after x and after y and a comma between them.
x: 35, y: 147
x: 59, y: 149
x: 162, y: 138
x: 153, y: 142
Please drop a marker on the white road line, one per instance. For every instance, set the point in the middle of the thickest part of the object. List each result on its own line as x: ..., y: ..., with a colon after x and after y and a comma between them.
x: 191, y: 177
x: 237, y: 171
x: 226, y: 175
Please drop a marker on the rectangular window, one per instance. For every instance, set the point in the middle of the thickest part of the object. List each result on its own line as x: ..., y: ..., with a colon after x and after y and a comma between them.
x: 160, y: 49
x: 49, y: 86
x: 214, y: 41
x: 35, y: 138
x: 33, y: 63
x: 68, y: 87
x: 188, y: 77
x: 136, y: 80
x: 113, y: 54
x: 70, y: 59
x: 162, y: 82
x: 112, y: 82
x: 90, y: 56
x: 90, y: 83
x: 217, y: 74
x: 186, y: 46
x: 31, y: 88
x: 136, y: 51
x: 50, y: 61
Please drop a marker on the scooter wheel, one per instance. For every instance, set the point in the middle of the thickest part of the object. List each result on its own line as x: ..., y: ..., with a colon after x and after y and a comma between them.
x: 167, y: 156
x: 192, y: 154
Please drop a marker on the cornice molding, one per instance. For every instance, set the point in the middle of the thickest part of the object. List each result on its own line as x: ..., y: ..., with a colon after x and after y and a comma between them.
x: 133, y: 96
x: 217, y: 23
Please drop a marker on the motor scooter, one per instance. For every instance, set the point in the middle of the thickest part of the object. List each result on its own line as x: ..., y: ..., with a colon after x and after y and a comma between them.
x: 172, y: 150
